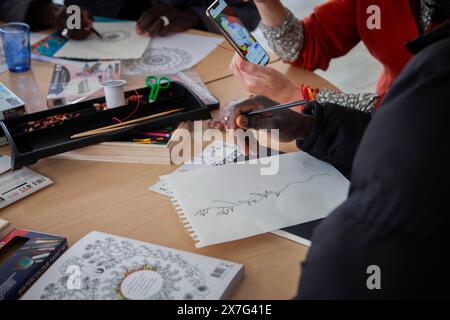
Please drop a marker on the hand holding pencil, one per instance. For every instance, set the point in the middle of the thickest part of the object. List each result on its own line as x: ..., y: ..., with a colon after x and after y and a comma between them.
x: 260, y: 112
x: 86, y: 29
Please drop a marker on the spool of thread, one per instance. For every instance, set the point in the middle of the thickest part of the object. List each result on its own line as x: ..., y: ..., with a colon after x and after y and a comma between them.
x: 114, y: 93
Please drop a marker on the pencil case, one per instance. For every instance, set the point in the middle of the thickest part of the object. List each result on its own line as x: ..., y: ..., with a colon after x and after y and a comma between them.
x: 29, y: 145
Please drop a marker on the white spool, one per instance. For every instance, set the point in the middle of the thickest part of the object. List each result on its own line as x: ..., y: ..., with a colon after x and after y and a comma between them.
x: 114, y: 93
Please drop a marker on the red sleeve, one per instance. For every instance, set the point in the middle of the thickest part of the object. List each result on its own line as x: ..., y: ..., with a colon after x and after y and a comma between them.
x: 329, y: 32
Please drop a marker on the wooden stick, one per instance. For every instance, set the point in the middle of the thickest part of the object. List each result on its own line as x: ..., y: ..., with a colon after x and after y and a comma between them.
x: 121, y: 125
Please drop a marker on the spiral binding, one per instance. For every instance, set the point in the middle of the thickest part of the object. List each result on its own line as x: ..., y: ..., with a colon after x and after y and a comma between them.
x: 188, y: 228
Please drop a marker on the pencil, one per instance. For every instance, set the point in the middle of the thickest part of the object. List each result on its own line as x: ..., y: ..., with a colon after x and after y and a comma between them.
x: 277, y: 107
x: 122, y: 125
x: 157, y: 134
x: 97, y: 33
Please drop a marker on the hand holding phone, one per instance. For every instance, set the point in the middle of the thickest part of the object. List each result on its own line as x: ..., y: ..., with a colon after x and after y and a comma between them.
x: 236, y: 33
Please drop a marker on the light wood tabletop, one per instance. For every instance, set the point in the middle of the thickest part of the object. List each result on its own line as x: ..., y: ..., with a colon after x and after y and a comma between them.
x: 113, y: 197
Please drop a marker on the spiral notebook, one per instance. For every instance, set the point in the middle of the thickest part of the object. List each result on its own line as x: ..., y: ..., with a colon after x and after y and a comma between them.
x: 236, y: 201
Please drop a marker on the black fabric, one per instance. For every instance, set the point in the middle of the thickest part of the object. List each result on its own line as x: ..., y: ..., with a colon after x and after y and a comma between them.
x: 19, y: 10
x: 132, y: 9
x: 335, y: 134
x: 15, y: 10
x: 397, y: 215
x: 423, y: 41
x: 304, y: 230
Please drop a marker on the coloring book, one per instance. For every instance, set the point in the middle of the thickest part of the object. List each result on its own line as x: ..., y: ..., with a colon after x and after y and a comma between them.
x: 105, y: 267
x: 74, y: 82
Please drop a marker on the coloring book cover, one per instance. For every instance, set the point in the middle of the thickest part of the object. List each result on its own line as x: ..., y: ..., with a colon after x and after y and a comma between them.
x: 106, y: 267
x: 24, y: 256
x: 49, y: 45
x: 76, y: 81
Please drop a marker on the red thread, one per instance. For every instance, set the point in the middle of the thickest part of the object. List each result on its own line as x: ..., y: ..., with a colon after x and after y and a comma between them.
x: 133, y: 112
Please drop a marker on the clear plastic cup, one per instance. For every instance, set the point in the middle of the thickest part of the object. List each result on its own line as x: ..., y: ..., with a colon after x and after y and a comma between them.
x: 16, y: 46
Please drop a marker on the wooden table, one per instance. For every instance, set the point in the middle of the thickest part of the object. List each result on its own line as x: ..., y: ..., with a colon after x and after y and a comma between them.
x: 113, y: 197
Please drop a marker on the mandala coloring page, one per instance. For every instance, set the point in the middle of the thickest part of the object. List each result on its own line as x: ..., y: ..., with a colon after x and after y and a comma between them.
x: 171, y: 54
x: 162, y: 60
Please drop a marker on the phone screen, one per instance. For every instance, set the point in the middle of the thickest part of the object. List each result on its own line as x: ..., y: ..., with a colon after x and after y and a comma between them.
x: 235, y: 29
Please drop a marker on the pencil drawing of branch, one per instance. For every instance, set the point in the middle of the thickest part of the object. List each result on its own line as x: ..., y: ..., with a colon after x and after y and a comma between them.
x: 229, y: 207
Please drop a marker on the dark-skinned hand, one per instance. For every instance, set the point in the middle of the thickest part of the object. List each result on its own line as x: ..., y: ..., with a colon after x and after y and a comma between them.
x: 86, y: 24
x: 151, y: 24
x: 291, y: 124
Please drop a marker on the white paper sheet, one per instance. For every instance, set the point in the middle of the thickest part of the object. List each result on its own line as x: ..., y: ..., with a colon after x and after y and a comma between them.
x: 106, y: 267
x: 235, y: 201
x: 120, y: 41
x: 172, y: 54
x: 215, y: 154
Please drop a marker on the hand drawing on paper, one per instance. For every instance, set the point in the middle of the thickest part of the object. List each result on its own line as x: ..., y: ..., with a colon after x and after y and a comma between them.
x: 253, y: 199
x: 108, y: 263
x: 120, y: 41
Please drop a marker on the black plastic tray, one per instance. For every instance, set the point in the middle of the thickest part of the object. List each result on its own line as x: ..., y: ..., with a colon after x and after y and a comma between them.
x: 29, y: 147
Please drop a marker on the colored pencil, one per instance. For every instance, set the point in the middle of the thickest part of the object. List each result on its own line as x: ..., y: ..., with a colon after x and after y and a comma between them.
x: 277, y: 107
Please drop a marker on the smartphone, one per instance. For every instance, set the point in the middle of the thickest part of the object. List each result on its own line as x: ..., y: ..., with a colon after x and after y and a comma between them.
x: 236, y: 33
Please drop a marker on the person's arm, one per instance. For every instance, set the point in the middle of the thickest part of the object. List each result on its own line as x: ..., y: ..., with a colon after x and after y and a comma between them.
x: 365, y: 102
x: 162, y: 19
x: 267, y: 81
x: 329, y: 132
x: 272, y: 12
x: 43, y: 14
x: 189, y: 14
x: 335, y: 134
x: 329, y: 32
